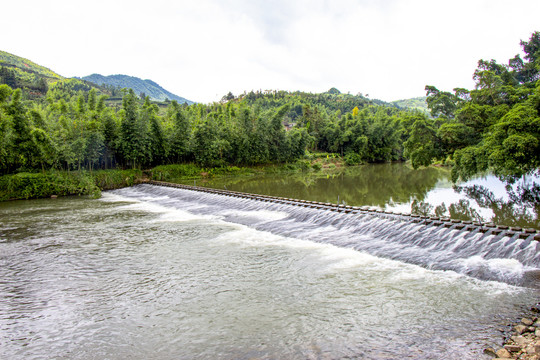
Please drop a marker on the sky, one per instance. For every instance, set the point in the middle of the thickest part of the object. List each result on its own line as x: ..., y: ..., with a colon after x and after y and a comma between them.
x: 202, y: 49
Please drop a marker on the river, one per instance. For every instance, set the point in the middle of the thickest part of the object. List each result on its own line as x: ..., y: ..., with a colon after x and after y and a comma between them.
x: 398, y: 187
x: 164, y: 273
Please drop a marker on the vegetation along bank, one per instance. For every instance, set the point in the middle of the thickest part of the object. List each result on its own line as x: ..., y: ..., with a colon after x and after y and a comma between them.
x: 52, y: 124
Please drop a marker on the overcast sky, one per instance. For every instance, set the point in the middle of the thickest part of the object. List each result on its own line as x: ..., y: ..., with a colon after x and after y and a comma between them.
x: 389, y: 49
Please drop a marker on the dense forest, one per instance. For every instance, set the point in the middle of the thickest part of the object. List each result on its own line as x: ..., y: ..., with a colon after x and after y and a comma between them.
x: 73, y: 125
x: 495, y: 126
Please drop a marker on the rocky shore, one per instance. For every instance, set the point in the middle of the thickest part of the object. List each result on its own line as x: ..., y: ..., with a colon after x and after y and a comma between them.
x: 522, y: 343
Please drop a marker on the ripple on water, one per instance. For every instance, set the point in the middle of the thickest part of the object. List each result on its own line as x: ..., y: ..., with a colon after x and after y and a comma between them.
x: 120, y: 279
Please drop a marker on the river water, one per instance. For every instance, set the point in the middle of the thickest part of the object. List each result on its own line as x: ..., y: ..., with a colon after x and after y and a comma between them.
x: 163, y: 273
x: 398, y: 187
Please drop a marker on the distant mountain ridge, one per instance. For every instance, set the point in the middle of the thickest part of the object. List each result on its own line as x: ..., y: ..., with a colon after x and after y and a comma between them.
x: 148, y: 87
x: 21, y: 73
x: 418, y: 103
x: 24, y: 65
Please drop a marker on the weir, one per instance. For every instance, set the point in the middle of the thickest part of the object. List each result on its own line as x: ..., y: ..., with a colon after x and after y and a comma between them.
x: 482, y: 250
x: 469, y: 226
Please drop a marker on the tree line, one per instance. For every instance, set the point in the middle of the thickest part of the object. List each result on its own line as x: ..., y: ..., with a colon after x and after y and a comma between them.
x: 72, y: 129
x: 75, y: 126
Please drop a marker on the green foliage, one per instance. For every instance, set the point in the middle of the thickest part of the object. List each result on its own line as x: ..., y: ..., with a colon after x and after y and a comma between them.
x: 76, y: 129
x: 303, y: 165
x: 28, y: 185
x: 171, y: 172
x: 114, y: 179
x: 7, y: 59
x: 417, y: 103
x: 228, y: 171
x: 66, y: 89
x: 19, y: 73
x: 352, y: 159
x: 441, y: 103
x: 61, y: 183
x: 495, y: 126
x: 423, y: 144
x: 468, y: 162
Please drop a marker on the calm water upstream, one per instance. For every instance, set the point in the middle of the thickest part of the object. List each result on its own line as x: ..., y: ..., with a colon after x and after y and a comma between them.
x: 398, y: 187
x: 162, y: 273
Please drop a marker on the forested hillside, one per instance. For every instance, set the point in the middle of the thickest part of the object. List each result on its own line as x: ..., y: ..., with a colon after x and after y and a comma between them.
x: 418, y: 103
x: 494, y: 126
x: 18, y: 72
x: 139, y: 86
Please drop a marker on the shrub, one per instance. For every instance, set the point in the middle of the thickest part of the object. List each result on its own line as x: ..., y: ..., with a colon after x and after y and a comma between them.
x: 170, y: 172
x: 303, y: 165
x: 289, y: 167
x: 352, y: 159
x: 39, y: 185
x: 63, y: 183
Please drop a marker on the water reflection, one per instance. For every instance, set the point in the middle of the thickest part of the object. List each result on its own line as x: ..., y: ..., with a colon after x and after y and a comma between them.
x: 520, y: 208
x: 398, y: 187
x: 372, y: 185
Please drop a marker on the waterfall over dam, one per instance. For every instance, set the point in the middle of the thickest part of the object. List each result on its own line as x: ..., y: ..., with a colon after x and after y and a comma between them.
x: 483, y: 251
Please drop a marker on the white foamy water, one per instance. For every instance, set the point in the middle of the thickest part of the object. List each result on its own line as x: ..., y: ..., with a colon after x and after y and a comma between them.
x: 160, y: 273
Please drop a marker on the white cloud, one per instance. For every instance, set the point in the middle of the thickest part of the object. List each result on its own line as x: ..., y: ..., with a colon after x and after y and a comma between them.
x: 203, y: 49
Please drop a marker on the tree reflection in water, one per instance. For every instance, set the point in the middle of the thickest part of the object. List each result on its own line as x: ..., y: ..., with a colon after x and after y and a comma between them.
x: 520, y: 207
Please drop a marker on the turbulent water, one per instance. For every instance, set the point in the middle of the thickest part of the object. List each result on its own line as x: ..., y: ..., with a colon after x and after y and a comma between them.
x: 152, y: 272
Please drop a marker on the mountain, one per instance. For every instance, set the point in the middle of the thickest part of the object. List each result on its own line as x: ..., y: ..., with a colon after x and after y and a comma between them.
x: 147, y: 87
x: 18, y: 72
x: 24, y: 65
x: 418, y: 103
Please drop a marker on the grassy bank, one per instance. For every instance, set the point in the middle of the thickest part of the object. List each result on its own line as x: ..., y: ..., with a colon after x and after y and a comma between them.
x: 180, y: 172
x: 62, y: 183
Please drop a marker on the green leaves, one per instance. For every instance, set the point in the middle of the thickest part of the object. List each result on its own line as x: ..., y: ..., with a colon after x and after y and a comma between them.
x: 497, y: 125
x: 441, y: 103
x: 423, y: 145
x: 469, y: 162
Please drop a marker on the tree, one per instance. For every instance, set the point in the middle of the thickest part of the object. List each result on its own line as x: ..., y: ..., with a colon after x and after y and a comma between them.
x: 202, y: 144
x: 180, y: 134
x: 94, y: 148
x: 529, y: 72
x: 22, y: 141
x: 7, y: 77
x: 441, y: 103
x: 133, y: 133
x: 334, y: 91
x: 92, y: 99
x: 423, y: 144
x: 455, y: 136
x: 228, y: 97
x: 156, y: 136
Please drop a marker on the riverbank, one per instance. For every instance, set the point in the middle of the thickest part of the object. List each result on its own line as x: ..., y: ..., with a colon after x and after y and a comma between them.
x: 312, y: 163
x: 54, y: 183
x: 63, y: 183
x: 522, y: 343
